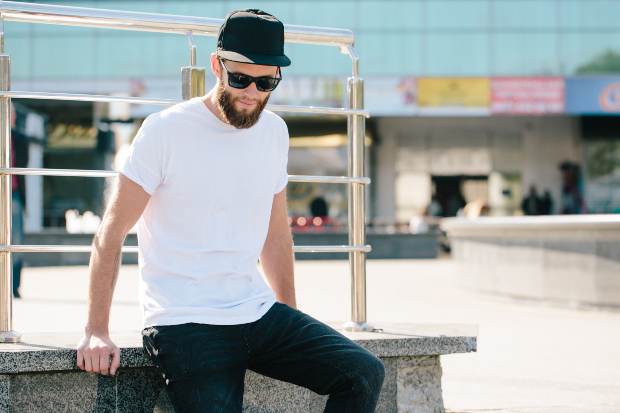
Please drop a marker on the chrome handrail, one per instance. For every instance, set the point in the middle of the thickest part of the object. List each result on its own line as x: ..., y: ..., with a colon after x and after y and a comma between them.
x: 132, y: 249
x: 170, y: 102
x: 189, y: 26
x: 112, y: 174
x: 153, y: 22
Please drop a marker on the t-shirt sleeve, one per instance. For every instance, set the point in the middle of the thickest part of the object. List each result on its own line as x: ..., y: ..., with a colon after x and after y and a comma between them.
x: 283, y: 174
x: 144, y: 163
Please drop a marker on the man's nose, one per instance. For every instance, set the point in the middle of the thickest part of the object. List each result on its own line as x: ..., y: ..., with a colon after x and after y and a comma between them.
x: 251, y: 92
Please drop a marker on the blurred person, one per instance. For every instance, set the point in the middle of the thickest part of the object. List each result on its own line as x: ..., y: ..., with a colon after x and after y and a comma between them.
x: 418, y: 225
x: 476, y: 209
x: 455, y: 203
x: 546, y: 203
x: 318, y: 206
x: 572, y: 198
x: 531, y: 204
x: 19, y: 159
x: 434, y: 209
x: 206, y: 182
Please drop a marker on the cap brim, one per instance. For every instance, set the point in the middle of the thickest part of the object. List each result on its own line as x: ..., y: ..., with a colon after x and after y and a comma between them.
x: 255, y: 58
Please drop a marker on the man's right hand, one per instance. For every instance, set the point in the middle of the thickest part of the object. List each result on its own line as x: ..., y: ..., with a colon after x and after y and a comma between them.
x: 93, y: 354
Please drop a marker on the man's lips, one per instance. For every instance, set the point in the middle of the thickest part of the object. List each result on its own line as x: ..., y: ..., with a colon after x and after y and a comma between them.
x: 247, y: 104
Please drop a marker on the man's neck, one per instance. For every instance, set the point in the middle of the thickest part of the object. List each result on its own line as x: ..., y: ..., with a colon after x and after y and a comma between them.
x: 210, y: 100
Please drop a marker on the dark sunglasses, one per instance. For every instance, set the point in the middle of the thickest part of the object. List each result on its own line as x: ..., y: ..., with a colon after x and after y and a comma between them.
x: 241, y: 81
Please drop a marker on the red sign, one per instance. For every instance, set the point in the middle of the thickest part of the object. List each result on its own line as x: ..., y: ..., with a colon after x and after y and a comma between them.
x: 527, y: 95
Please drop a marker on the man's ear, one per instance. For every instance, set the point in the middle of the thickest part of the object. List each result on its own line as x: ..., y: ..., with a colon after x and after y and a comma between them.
x: 215, y: 65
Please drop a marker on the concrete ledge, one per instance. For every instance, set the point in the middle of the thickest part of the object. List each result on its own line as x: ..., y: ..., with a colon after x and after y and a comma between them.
x: 562, y: 260
x: 39, y: 374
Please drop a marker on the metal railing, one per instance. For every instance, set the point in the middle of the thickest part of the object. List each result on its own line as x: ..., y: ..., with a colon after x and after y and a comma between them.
x: 193, y: 85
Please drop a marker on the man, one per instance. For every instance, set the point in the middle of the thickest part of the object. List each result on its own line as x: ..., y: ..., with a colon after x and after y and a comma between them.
x: 19, y: 159
x: 206, y: 179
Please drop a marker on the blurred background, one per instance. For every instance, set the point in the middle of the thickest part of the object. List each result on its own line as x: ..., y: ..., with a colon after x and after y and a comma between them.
x: 479, y: 107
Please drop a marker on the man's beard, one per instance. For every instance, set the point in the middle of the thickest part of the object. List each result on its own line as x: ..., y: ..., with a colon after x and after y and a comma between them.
x: 240, y: 119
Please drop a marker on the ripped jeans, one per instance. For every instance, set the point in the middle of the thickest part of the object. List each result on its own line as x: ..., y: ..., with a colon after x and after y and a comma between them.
x: 204, y: 365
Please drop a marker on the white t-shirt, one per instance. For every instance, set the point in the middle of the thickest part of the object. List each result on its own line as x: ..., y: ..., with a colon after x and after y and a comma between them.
x: 200, y: 236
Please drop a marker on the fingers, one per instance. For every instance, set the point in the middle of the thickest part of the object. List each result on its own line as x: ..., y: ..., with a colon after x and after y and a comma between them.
x: 95, y: 362
x: 94, y: 354
x: 80, y: 359
x: 88, y: 366
x: 104, y: 360
x: 116, y: 360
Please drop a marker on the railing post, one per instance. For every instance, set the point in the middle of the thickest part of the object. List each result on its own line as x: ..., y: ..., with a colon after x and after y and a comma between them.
x: 357, y: 211
x: 192, y: 77
x: 7, y: 335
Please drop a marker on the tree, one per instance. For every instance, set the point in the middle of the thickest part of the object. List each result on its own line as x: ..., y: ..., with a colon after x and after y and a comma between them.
x: 608, y: 62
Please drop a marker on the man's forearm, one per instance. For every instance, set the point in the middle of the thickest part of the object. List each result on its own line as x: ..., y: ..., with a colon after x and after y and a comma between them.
x: 277, y: 260
x: 105, y: 261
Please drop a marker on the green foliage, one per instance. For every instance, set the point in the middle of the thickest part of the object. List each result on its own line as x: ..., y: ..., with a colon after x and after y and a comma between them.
x: 603, y: 158
x: 608, y: 62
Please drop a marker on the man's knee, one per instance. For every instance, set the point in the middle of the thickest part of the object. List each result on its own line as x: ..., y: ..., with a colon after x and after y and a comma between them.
x: 373, y: 373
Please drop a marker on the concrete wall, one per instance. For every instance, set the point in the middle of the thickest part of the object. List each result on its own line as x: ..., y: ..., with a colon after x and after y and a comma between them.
x: 566, y: 260
x: 542, y: 142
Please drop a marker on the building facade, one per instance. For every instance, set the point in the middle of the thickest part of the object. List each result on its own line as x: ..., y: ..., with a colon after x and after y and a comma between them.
x: 470, y: 99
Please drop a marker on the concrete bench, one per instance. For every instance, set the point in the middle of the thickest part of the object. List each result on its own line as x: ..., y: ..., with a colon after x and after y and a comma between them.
x: 40, y: 375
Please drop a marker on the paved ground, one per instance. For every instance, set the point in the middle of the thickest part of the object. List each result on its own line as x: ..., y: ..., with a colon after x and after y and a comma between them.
x: 531, y: 359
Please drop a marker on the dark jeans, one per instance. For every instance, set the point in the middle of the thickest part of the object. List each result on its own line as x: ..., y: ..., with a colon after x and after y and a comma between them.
x: 204, y: 365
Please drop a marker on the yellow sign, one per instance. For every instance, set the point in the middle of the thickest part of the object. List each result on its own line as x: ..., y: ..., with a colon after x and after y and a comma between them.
x: 454, y: 92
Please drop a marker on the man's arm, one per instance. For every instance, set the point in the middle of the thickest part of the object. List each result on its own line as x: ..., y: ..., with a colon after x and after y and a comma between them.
x: 122, y: 213
x: 277, y: 256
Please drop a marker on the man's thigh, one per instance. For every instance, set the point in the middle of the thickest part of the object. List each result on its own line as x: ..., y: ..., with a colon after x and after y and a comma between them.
x: 291, y: 346
x: 203, y: 366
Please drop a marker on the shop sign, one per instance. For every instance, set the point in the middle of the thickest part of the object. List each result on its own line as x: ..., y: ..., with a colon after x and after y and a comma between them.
x: 527, y: 95
x: 390, y: 96
x: 383, y: 96
x: 593, y: 95
x: 328, y: 92
x: 454, y: 96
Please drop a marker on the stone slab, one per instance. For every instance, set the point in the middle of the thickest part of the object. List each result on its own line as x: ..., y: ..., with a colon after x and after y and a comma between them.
x: 57, y: 351
x: 40, y: 374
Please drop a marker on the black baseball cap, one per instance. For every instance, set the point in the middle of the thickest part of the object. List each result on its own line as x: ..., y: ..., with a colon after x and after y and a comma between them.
x: 252, y: 36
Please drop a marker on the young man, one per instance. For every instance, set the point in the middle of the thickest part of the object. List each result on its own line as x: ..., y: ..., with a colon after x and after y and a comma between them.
x: 205, y: 180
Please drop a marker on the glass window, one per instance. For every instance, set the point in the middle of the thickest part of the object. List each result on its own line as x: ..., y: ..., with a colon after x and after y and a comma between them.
x: 214, y: 10
x: 315, y: 60
x: 457, y: 14
x: 584, y: 53
x: 143, y: 6
x: 280, y: 9
x: 390, y: 14
x: 522, y: 14
x: 340, y: 14
x: 91, y: 4
x: 593, y: 14
x: 54, y: 29
x: 174, y: 54
x: 62, y: 57
x: 128, y: 54
x: 16, y: 28
x: 389, y: 54
x: 205, y: 45
x: 457, y: 54
x: 525, y: 54
x: 18, y: 47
